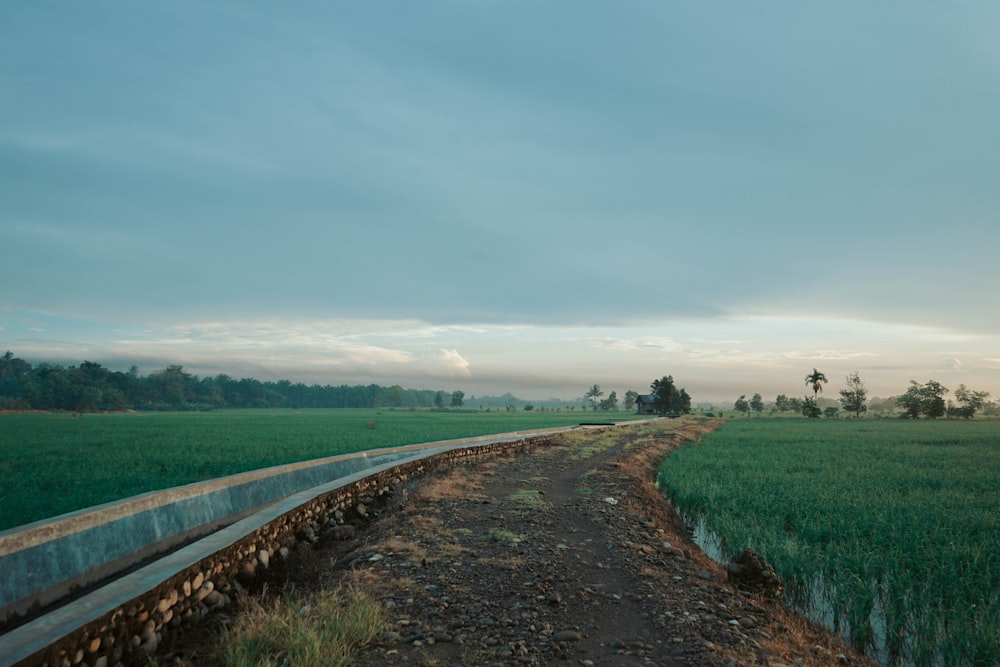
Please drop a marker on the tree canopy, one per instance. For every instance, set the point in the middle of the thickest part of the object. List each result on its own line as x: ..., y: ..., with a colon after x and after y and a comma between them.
x: 854, y: 395
x: 668, y: 399
x: 924, y: 399
x: 816, y: 380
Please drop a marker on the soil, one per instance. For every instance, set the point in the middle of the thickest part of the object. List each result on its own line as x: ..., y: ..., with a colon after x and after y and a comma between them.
x: 566, y: 554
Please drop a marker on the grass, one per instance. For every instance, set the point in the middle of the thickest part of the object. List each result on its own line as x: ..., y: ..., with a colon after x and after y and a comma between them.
x: 324, y: 629
x: 529, y: 497
x: 502, y: 537
x: 586, y: 444
x: 51, y: 464
x: 888, y: 531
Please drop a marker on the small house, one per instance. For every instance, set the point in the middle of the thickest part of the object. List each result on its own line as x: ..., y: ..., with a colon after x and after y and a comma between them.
x: 644, y: 404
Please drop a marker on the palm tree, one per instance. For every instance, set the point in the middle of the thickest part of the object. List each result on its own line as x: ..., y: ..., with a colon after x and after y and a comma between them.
x: 816, y: 380
x: 593, y: 394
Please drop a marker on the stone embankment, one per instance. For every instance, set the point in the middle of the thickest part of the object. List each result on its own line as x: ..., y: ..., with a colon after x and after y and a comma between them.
x: 124, y: 622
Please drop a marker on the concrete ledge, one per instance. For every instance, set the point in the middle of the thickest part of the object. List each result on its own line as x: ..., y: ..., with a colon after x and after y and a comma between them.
x: 117, y: 619
x: 45, y: 561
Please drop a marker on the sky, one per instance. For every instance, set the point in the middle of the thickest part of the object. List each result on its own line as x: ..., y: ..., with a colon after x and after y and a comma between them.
x: 519, y: 196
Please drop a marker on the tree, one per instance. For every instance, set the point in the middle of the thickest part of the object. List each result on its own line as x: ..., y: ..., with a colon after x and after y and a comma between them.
x: 757, y: 404
x: 667, y: 399
x: 172, y: 387
x: 971, y: 402
x: 630, y: 398
x: 439, y: 399
x: 610, y: 404
x: 593, y: 394
x: 457, y: 398
x: 782, y: 404
x: 924, y: 399
x: 394, y: 396
x: 911, y: 401
x: 934, y: 404
x: 810, y: 408
x: 816, y: 380
x: 742, y: 405
x: 854, y: 395
x: 13, y: 373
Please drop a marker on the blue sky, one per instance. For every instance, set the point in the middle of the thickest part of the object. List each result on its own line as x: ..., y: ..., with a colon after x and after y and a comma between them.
x: 506, y: 196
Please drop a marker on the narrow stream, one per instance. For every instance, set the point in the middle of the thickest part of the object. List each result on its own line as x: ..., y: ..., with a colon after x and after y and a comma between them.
x: 814, y: 600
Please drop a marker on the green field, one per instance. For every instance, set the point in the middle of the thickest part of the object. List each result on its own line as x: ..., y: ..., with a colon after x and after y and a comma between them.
x: 888, y: 531
x: 51, y: 464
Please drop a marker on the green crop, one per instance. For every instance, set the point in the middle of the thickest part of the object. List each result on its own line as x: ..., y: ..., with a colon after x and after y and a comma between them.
x: 888, y: 531
x: 51, y: 464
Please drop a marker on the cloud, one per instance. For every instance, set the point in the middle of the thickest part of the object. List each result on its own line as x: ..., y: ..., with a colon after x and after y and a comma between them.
x: 951, y: 363
x: 455, y: 363
x: 827, y: 355
x: 663, y: 343
x: 265, y: 343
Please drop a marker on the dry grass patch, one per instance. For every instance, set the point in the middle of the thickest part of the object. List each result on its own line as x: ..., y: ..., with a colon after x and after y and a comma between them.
x: 411, y: 550
x: 586, y: 444
x: 324, y: 629
x: 452, y: 550
x: 458, y: 483
x: 424, y: 523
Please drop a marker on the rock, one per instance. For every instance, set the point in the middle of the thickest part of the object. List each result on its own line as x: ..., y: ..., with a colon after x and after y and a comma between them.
x: 203, y: 591
x: 247, y: 572
x: 567, y: 636
x: 341, y: 533
x: 263, y: 558
x: 148, y: 639
x: 752, y: 573
x: 214, y: 599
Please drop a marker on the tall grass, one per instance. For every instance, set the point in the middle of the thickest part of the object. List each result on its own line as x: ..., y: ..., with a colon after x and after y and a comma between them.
x: 887, y: 531
x: 324, y: 629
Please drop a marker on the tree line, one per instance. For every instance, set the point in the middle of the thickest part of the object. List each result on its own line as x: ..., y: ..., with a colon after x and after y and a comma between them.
x: 920, y: 400
x: 92, y: 387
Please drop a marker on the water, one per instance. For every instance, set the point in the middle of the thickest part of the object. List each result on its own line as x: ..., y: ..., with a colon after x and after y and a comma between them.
x: 816, y: 600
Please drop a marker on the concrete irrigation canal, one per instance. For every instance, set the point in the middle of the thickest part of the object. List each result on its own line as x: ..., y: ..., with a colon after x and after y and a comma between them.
x: 106, y: 585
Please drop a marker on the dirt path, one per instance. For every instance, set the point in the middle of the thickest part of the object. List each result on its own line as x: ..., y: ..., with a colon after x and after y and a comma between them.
x: 563, y: 555
x: 567, y: 555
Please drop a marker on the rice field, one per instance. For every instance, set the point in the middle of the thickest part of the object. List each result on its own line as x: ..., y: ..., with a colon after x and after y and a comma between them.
x: 51, y: 464
x: 887, y: 531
